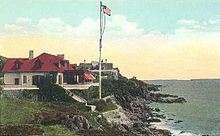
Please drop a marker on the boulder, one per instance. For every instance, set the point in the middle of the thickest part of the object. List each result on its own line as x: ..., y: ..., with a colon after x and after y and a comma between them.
x: 178, y: 121
x: 137, y: 124
x: 153, y: 120
x: 77, y: 122
x: 157, y: 109
x: 124, y: 128
x: 161, y: 132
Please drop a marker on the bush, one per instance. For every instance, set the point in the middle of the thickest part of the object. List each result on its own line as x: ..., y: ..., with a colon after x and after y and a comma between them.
x: 55, y: 117
x: 108, y: 100
x: 0, y: 90
x: 54, y: 92
x: 57, y: 95
x: 104, y: 106
x: 107, y: 131
x: 20, y: 130
x: 100, y: 105
x: 88, y: 94
x: 1, y: 81
x: 110, y: 106
x: 29, y: 94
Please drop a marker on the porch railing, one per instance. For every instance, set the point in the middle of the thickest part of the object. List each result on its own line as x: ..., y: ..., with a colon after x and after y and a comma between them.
x: 19, y: 87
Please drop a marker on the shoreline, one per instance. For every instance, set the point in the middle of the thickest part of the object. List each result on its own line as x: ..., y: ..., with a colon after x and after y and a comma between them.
x: 163, y: 123
x: 140, y: 115
x: 137, y: 105
x: 175, y: 132
x: 199, y: 94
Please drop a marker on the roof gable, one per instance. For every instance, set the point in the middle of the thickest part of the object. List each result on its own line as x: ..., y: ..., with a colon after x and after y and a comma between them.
x: 47, y: 61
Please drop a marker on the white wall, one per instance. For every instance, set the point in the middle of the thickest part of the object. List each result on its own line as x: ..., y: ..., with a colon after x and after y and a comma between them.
x: 9, y: 78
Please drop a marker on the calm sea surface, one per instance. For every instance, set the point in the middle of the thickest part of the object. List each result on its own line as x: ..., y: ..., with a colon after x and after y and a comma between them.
x: 201, y: 113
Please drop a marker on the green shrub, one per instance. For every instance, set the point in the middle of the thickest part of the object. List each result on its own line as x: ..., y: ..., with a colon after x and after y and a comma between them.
x: 104, y: 106
x: 55, y: 116
x: 29, y: 94
x: 88, y: 94
x: 100, y: 105
x: 54, y: 92
x: 108, y: 100
x: 1, y: 80
x: 0, y: 90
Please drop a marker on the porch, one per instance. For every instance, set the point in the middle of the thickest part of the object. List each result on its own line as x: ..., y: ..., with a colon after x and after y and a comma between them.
x: 35, y: 87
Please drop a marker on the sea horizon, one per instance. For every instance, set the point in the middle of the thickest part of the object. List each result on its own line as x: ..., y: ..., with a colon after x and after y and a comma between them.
x: 191, y: 79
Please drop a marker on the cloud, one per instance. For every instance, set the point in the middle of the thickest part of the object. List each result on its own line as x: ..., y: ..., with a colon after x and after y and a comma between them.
x: 183, y: 30
x: 52, y: 26
x: 212, y: 24
x: 21, y: 26
x: 187, y: 22
x: 188, y: 25
x: 150, y: 54
x: 23, y: 21
x: 12, y: 28
x: 117, y: 26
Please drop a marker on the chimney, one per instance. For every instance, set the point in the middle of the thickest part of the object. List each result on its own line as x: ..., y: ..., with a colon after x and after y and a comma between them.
x: 60, y: 56
x: 84, y: 61
x: 31, y: 54
x: 106, y: 60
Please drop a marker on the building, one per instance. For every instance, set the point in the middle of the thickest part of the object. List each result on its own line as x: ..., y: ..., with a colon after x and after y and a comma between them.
x: 108, y: 71
x: 30, y: 73
x: 94, y: 65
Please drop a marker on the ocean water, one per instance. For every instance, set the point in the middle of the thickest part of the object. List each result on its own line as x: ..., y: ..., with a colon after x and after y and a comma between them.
x: 201, y: 113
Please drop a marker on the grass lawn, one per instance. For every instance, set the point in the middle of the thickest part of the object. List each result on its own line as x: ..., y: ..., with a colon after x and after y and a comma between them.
x: 110, y: 106
x: 58, y: 130
x: 20, y: 111
x: 91, y: 95
x: 17, y: 111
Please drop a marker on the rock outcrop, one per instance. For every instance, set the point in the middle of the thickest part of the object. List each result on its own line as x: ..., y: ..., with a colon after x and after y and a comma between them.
x: 136, y: 103
x: 77, y: 122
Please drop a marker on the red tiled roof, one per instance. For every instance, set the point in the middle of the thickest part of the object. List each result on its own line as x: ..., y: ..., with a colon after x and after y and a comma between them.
x: 48, y: 63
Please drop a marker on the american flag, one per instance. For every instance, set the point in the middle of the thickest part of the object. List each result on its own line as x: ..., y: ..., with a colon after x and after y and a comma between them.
x: 106, y: 10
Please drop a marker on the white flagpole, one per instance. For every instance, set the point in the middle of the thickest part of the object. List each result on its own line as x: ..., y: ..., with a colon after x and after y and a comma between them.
x: 100, y: 55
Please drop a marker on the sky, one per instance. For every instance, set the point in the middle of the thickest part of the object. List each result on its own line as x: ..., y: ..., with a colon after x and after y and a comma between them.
x: 148, y: 39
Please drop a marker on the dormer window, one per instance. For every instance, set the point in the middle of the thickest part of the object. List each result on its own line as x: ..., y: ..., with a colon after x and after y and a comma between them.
x: 58, y: 64
x: 62, y: 62
x: 65, y: 64
x: 17, y: 64
x: 38, y: 64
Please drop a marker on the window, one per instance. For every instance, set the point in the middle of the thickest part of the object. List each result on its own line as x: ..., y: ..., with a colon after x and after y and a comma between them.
x: 57, y: 65
x: 65, y: 64
x: 16, y: 81
x: 34, y: 80
x: 24, y: 79
x: 38, y: 64
x: 17, y: 64
x: 60, y: 79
